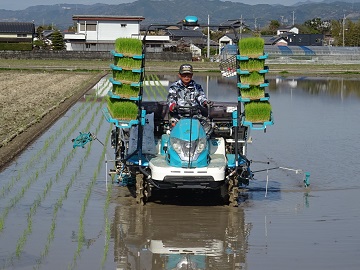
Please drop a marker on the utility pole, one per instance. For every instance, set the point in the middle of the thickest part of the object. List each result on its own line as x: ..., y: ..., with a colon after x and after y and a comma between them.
x: 343, y: 31
x: 208, y: 38
x: 241, y: 25
x: 293, y: 18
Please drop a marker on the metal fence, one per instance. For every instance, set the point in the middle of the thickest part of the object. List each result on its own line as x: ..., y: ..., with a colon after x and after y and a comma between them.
x: 302, y: 54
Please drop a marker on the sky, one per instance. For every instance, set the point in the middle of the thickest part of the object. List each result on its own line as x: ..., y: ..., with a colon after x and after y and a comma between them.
x: 23, y: 4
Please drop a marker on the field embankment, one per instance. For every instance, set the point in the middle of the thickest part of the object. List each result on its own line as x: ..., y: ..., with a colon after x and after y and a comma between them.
x: 30, y: 101
x: 161, y: 66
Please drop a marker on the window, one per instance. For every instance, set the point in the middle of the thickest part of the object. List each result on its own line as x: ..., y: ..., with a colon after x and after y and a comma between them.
x: 123, y: 25
x: 21, y: 35
x: 89, y: 27
x: 88, y: 46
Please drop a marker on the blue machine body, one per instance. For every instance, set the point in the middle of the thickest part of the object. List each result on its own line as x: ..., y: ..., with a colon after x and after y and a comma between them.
x: 187, y: 145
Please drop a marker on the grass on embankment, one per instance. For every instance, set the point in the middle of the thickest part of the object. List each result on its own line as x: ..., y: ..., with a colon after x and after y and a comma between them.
x: 173, y: 66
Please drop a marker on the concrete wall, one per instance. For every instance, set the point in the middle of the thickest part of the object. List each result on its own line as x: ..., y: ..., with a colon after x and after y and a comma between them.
x: 164, y: 56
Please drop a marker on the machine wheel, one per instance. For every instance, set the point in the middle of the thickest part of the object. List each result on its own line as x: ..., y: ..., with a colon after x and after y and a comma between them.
x: 233, y: 192
x: 140, y: 198
x: 224, y: 193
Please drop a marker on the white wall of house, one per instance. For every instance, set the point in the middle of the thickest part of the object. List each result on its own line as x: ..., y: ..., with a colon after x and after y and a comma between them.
x: 107, y: 30
x: 294, y: 30
x: 98, y: 33
x: 195, y: 51
x: 223, y: 41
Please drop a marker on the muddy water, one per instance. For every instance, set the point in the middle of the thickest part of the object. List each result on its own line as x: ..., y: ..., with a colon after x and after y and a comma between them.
x: 56, y: 213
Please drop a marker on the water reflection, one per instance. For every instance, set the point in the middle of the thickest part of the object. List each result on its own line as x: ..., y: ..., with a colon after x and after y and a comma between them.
x: 219, y: 88
x: 330, y: 86
x: 177, y: 237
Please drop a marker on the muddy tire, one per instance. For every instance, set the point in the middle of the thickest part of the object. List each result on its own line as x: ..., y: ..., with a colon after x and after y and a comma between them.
x: 233, y: 191
x: 224, y: 193
x: 140, y: 197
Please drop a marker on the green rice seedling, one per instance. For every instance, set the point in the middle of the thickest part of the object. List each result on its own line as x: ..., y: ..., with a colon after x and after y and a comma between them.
x: 128, y: 46
x: 257, y: 112
x: 22, y: 240
x: 127, y: 62
x: 253, y: 92
x: 107, y: 225
x: 149, y: 90
x: 254, y: 78
x: 252, y: 47
x: 160, y: 88
x: 5, y: 189
x: 252, y: 64
x: 126, y: 90
x: 126, y: 76
x: 60, y: 200
x: 122, y: 109
x: 81, y: 235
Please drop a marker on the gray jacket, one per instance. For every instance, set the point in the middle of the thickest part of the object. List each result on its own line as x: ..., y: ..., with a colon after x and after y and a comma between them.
x: 182, y: 95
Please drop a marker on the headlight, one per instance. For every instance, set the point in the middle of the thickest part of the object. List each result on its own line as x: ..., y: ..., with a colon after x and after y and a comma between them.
x: 176, y: 144
x: 186, y: 148
x: 201, y: 145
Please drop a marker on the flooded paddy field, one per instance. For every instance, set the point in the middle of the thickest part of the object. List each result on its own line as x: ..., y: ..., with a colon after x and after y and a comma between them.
x: 58, y: 212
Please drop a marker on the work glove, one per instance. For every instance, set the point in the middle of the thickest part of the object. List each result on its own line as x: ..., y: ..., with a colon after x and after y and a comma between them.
x: 208, y: 103
x: 172, y: 107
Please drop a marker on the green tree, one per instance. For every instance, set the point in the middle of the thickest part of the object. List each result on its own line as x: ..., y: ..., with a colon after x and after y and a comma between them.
x: 345, y: 33
x: 316, y: 26
x: 58, y: 43
x: 271, y: 29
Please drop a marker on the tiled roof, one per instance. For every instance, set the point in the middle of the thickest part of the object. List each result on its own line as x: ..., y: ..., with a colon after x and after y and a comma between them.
x: 185, y: 33
x: 17, y: 27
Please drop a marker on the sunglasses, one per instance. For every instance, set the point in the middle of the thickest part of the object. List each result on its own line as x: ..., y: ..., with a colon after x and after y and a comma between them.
x: 186, y: 75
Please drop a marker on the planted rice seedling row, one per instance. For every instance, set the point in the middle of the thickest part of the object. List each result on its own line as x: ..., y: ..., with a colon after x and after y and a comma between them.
x: 22, y: 240
x: 161, y: 89
x: 57, y: 206
x: 5, y: 189
x: 59, y: 202
x: 81, y: 234
x: 107, y: 224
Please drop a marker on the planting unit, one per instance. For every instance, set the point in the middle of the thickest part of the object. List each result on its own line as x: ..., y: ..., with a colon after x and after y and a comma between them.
x: 252, y: 83
x: 128, y: 75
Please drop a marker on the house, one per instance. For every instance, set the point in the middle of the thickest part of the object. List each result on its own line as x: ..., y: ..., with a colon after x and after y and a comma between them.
x: 305, y: 39
x: 275, y: 40
x: 177, y: 34
x: 14, y: 33
x: 99, y: 32
x: 287, y: 29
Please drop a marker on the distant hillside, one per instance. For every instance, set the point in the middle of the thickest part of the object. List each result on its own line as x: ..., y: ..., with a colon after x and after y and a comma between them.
x: 172, y: 11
